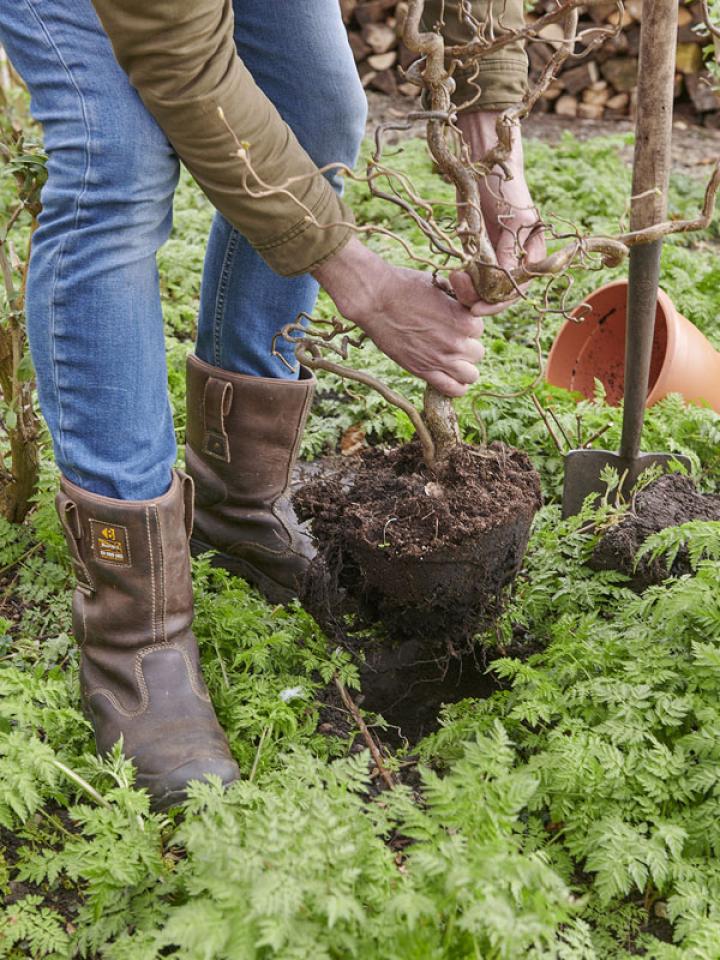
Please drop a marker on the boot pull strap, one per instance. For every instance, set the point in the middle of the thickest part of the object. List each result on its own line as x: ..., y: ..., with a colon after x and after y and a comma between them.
x: 70, y: 520
x: 188, y: 491
x: 217, y: 402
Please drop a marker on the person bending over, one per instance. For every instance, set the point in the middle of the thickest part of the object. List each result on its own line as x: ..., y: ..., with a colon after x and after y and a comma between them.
x: 125, y: 90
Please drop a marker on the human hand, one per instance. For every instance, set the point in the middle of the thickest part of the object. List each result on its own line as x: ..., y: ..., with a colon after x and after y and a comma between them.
x: 411, y: 319
x: 511, y: 218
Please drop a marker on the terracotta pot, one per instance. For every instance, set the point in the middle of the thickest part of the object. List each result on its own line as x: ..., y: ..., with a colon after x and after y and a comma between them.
x: 683, y: 360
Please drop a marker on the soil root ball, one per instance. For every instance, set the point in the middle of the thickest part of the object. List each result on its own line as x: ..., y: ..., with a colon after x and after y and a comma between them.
x: 667, y: 502
x: 426, y: 559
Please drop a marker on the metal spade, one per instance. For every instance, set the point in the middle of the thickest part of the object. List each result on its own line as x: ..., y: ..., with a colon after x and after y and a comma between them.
x: 651, y: 179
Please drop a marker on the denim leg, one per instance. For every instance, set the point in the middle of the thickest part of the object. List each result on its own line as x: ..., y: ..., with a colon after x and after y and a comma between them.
x: 93, y: 301
x: 299, y: 55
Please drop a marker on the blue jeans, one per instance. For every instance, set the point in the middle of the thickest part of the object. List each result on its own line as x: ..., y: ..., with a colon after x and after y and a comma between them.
x: 93, y: 302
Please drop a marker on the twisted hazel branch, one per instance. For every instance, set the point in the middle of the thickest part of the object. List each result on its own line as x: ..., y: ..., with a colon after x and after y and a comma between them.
x: 440, y: 86
x: 551, y: 70
x: 708, y: 21
x: 500, y: 284
x: 494, y: 284
x: 314, y: 361
x: 308, y: 353
x: 242, y: 152
x: 612, y: 250
x: 439, y: 412
x: 669, y: 227
x: 481, y: 45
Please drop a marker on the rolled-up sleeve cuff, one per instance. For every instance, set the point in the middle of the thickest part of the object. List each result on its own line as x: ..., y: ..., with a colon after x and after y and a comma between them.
x: 312, y: 239
x: 503, y: 83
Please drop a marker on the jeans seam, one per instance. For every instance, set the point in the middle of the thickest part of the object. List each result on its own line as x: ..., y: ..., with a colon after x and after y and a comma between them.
x: 78, y: 202
x: 221, y: 296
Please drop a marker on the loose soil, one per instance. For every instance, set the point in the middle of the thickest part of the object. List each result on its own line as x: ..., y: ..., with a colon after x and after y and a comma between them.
x: 426, y: 566
x: 668, y: 502
x: 425, y: 558
x: 64, y: 898
x: 408, y: 687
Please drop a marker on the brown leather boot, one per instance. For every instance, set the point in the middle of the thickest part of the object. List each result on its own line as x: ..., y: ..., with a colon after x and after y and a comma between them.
x: 243, y: 435
x: 132, y: 614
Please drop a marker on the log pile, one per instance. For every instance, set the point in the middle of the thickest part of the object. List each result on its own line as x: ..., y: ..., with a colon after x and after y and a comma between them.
x: 600, y: 86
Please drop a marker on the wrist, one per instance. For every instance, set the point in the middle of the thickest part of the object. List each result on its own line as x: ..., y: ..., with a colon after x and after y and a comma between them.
x: 351, y: 278
x: 480, y: 130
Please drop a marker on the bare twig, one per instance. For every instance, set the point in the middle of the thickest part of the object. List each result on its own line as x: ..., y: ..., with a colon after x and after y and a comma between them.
x: 541, y: 410
x: 465, y: 242
x: 308, y: 351
x: 18, y: 471
x: 707, y: 20
x: 365, y: 733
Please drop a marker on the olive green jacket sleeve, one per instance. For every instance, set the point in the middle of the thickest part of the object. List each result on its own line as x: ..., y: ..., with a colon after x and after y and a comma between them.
x: 502, y: 77
x: 181, y: 57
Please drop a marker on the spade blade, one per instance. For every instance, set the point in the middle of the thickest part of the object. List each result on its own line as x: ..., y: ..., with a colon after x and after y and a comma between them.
x: 584, y: 468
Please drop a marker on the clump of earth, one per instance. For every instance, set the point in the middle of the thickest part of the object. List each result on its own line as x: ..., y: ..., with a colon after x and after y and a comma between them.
x: 421, y: 564
x: 669, y: 501
x: 427, y: 557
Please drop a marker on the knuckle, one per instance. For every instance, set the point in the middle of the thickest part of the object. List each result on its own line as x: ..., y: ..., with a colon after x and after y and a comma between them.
x: 478, y: 327
x: 476, y: 352
x: 472, y: 326
x: 472, y: 349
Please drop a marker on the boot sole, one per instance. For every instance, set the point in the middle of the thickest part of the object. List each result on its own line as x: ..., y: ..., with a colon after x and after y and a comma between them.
x: 270, y: 589
x: 174, y: 798
x: 160, y: 802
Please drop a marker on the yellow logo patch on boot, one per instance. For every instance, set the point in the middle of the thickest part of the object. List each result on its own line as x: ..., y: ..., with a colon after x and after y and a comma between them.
x: 110, y: 543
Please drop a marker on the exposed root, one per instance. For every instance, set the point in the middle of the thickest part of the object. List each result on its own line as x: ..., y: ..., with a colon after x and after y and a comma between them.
x: 367, y: 736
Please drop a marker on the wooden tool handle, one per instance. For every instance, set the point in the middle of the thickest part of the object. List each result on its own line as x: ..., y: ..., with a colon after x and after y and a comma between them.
x: 651, y: 179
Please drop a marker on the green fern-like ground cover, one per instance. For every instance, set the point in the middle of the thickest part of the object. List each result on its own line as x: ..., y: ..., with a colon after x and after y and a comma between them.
x: 575, y: 815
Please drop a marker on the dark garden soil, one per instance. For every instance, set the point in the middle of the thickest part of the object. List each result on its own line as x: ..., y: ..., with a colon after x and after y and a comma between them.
x: 425, y: 567
x: 64, y: 898
x: 11, y: 607
x: 669, y: 501
x: 408, y: 687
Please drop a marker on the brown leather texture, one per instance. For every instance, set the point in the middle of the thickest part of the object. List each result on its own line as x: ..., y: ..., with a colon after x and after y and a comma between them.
x: 132, y: 616
x: 243, y: 436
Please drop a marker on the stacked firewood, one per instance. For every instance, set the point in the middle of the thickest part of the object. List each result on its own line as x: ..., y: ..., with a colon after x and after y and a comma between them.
x: 374, y: 28
x: 600, y: 86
